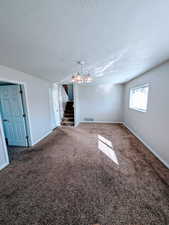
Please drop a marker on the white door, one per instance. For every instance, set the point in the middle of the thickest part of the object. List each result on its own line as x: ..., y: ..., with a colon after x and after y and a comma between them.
x: 13, y: 116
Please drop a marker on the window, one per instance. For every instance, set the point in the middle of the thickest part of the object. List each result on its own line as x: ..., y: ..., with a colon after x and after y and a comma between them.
x: 139, y: 97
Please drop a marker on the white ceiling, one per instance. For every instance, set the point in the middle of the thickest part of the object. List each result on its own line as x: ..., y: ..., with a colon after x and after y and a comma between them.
x: 118, y: 39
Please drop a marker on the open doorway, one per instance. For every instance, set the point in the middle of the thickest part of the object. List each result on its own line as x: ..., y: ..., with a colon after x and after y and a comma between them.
x: 14, y: 118
x: 67, y: 104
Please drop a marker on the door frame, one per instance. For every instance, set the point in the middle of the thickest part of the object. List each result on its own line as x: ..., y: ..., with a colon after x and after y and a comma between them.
x: 5, y: 150
x: 26, y: 109
x: 75, y: 102
x: 61, y: 110
x: 76, y: 105
x: 55, y: 119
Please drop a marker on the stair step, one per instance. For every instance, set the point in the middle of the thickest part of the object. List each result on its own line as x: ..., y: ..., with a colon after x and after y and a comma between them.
x: 67, y: 123
x: 68, y: 115
x: 68, y: 119
x: 70, y: 103
x: 69, y: 111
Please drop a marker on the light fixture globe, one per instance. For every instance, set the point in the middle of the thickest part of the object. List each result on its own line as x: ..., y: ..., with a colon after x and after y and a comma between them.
x: 88, y: 78
x: 81, y: 77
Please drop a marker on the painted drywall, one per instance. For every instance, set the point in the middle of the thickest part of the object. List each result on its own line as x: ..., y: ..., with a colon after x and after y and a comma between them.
x: 102, y: 102
x: 70, y: 91
x: 55, y: 105
x: 76, y: 104
x: 151, y: 126
x: 37, y: 93
x: 63, y: 99
x: 118, y: 39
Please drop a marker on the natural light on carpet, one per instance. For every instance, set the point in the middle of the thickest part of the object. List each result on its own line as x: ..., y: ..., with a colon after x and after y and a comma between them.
x: 106, y: 147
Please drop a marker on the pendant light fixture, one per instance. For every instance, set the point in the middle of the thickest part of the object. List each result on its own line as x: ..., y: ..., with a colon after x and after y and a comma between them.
x: 82, y: 77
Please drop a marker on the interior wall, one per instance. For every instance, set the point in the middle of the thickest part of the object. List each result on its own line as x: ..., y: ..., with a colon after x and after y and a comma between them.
x: 70, y: 92
x: 55, y: 104
x: 101, y: 102
x: 76, y: 104
x: 151, y: 126
x: 37, y: 93
x: 63, y: 99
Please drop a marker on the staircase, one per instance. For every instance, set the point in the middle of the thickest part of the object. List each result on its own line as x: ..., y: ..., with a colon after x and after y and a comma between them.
x: 68, y: 119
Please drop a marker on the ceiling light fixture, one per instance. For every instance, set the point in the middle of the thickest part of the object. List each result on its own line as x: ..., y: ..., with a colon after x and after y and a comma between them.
x: 82, y: 77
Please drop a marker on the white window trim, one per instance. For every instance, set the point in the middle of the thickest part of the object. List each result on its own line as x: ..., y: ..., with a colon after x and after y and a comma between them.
x: 137, y: 87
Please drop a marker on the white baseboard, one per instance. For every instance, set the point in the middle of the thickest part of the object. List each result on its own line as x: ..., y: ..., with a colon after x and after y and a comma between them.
x: 110, y: 122
x: 133, y: 132
x: 55, y: 127
x: 4, y: 165
x: 76, y: 124
x: 43, y: 136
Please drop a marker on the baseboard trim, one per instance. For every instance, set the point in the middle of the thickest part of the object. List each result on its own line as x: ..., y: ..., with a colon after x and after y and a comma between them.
x: 110, y: 122
x: 41, y: 138
x: 4, y: 165
x: 55, y: 128
x: 76, y: 124
x: 150, y: 149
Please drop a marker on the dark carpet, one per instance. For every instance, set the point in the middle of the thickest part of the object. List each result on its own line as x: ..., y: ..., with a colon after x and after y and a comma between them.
x: 93, y: 174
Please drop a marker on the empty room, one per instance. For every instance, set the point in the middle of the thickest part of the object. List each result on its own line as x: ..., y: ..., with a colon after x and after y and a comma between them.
x: 84, y: 106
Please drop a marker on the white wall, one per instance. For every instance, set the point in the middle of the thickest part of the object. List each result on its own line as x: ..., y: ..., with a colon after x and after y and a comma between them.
x: 63, y: 99
x: 152, y: 126
x: 37, y: 93
x: 76, y: 104
x: 102, y: 102
x: 55, y: 105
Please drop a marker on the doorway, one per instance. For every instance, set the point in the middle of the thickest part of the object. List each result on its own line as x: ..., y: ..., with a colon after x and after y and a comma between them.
x: 14, y: 118
x: 67, y: 104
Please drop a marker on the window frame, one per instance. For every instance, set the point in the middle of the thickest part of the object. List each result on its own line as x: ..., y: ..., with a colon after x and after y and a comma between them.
x: 135, y: 88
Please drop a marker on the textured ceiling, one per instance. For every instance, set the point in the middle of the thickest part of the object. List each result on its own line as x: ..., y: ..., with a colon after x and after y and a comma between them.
x: 118, y: 39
